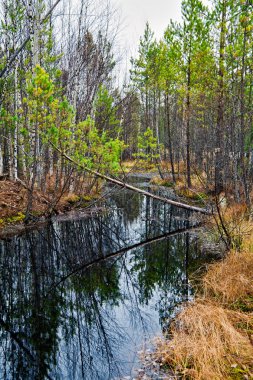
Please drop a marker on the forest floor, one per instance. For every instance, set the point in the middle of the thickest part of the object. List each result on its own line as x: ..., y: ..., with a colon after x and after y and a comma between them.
x: 13, y: 201
x: 14, y: 196
x: 212, y: 337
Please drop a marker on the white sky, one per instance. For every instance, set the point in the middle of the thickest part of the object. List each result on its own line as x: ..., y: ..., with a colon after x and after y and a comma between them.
x: 135, y: 14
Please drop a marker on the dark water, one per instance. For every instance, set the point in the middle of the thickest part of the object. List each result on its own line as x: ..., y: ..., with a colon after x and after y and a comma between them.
x: 61, y: 318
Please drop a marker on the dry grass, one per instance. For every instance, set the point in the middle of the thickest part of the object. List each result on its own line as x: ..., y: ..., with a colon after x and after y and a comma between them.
x: 212, y: 338
x: 70, y: 198
x: 178, y: 167
x: 138, y: 165
x: 13, y: 199
x: 195, y: 192
x: 128, y: 164
x: 206, y: 344
x: 230, y: 281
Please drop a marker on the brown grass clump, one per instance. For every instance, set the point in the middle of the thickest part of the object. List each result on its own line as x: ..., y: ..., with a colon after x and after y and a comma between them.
x: 231, y: 280
x: 71, y: 198
x: 129, y: 164
x: 206, y: 345
x: 235, y: 212
x: 13, y: 200
x: 178, y: 167
x: 138, y: 165
x: 212, y: 338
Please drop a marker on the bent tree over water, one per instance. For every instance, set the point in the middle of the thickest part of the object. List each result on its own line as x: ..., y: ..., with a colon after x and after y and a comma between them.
x: 63, y: 320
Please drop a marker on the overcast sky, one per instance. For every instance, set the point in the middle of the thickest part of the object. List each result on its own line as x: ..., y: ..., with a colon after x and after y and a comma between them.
x: 135, y: 14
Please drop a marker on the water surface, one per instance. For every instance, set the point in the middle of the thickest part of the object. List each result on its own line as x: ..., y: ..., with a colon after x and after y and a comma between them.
x: 62, y: 317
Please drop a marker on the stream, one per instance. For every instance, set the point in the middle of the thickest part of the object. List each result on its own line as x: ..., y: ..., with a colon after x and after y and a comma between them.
x: 81, y: 296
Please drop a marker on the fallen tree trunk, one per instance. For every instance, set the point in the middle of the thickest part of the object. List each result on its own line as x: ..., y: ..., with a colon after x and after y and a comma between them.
x: 154, y: 196
x: 136, y: 189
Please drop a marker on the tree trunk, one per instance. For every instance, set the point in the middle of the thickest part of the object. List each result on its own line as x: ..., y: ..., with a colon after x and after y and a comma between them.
x: 188, y: 105
x: 219, y: 185
x: 242, y: 125
x: 167, y: 108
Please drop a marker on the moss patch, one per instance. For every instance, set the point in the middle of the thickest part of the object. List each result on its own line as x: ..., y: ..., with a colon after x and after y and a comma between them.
x: 13, y: 219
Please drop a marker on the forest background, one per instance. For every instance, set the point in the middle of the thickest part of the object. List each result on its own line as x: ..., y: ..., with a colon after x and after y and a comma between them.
x: 188, y: 102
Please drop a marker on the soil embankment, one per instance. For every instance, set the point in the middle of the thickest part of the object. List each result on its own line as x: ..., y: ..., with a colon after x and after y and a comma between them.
x: 13, y: 201
x: 13, y: 205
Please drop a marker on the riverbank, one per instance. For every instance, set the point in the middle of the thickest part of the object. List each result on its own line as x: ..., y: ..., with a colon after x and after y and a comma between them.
x: 198, y: 193
x: 212, y: 337
x: 14, y: 198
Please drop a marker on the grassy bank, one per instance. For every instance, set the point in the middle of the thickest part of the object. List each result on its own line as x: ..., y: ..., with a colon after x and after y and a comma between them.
x: 212, y: 338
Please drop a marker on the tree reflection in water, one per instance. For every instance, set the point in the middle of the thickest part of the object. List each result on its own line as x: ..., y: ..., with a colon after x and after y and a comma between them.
x: 90, y: 324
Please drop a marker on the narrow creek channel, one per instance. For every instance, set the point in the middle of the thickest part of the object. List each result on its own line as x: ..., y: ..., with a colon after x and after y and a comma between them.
x: 62, y: 317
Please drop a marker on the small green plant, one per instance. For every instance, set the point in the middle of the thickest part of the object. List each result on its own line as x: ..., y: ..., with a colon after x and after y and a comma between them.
x: 238, y: 373
x: 245, y: 305
x: 193, y: 195
x: 87, y: 198
x: 16, y: 218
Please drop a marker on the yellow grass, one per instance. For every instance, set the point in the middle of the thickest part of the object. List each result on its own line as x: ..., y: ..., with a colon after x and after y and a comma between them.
x: 231, y: 280
x: 71, y: 198
x: 238, y: 225
x: 138, y: 165
x: 206, y: 344
x: 166, y: 181
x: 130, y: 164
x: 212, y: 338
x: 181, y: 168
